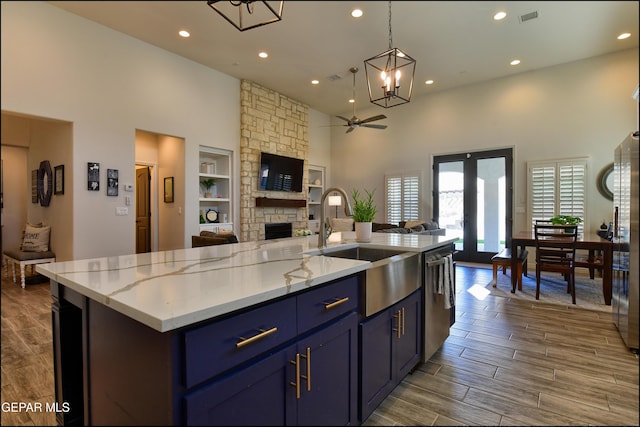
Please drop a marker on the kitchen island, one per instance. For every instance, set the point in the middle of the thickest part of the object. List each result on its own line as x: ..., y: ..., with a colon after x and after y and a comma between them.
x: 140, y: 339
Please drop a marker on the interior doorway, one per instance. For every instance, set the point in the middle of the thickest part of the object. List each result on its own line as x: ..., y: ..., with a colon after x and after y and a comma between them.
x: 472, y: 195
x: 164, y: 156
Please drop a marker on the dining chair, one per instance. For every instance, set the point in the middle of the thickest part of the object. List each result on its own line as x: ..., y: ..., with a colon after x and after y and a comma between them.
x: 556, y: 252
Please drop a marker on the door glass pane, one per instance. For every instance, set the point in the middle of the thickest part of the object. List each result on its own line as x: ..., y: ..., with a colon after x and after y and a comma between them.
x: 491, y: 212
x: 451, y: 199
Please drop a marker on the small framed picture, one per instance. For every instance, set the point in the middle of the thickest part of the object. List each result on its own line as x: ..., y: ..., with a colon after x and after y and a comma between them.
x: 58, y: 179
x: 34, y: 186
x: 93, y: 176
x: 112, y: 182
x: 168, y: 189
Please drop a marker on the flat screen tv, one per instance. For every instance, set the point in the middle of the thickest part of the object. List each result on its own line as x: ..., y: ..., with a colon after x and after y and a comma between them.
x: 280, y: 173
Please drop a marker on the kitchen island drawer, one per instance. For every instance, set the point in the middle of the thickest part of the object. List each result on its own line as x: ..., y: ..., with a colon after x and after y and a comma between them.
x: 216, y: 347
x: 326, y: 303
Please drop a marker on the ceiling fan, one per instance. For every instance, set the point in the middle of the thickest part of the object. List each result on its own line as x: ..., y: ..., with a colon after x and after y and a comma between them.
x: 355, y: 122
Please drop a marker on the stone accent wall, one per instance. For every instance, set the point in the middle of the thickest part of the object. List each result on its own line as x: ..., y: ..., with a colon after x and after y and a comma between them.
x: 276, y: 124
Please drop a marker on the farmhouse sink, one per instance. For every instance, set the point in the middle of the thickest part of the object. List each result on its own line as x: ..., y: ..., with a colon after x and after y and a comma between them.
x: 392, y: 276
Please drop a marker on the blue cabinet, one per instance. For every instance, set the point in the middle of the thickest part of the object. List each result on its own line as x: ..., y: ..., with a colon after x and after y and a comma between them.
x: 390, y: 344
x: 310, y: 380
x: 332, y: 395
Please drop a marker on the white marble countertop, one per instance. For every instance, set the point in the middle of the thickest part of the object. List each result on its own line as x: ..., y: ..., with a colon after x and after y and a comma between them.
x: 171, y: 289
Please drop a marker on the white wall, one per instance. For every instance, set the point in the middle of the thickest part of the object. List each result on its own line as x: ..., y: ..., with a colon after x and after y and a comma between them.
x: 170, y: 215
x: 320, y: 142
x: 578, y: 109
x: 14, y: 188
x: 57, y: 65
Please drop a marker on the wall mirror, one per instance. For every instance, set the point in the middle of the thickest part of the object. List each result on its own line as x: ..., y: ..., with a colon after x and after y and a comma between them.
x: 45, y: 183
x: 604, y: 181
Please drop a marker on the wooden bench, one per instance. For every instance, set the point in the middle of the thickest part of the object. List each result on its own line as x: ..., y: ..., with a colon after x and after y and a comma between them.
x: 24, y: 258
x: 503, y: 259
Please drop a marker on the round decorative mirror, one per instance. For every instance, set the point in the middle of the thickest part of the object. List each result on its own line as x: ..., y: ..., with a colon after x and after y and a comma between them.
x: 45, y: 183
x: 604, y: 181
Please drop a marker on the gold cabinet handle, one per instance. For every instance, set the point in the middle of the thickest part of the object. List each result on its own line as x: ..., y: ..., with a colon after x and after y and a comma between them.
x: 330, y: 305
x: 399, y: 328
x: 402, y: 321
x: 308, y: 376
x: 296, y: 384
x: 263, y: 333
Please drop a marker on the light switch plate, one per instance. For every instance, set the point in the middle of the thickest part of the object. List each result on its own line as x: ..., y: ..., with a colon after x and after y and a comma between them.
x: 122, y: 210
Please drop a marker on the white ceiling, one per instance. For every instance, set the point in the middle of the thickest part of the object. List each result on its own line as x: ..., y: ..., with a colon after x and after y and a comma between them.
x: 454, y: 43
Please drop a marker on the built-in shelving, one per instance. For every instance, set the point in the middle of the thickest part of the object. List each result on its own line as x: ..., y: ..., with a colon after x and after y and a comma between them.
x: 215, y: 163
x: 315, y: 190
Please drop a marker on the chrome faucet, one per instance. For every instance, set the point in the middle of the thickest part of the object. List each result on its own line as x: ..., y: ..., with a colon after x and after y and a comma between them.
x: 322, y: 235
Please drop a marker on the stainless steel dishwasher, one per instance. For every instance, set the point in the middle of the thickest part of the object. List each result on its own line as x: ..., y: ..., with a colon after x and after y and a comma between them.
x: 437, y: 318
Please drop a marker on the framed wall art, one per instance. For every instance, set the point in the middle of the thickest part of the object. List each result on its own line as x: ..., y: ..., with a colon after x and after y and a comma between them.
x: 168, y: 189
x: 93, y: 176
x: 112, y: 182
x: 58, y: 179
x: 34, y: 186
x: 45, y: 183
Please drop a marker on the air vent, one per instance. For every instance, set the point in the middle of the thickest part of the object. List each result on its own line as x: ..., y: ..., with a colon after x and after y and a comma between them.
x: 334, y: 77
x: 528, y: 16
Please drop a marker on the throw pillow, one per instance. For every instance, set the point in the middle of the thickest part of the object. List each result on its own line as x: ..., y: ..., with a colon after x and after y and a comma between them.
x: 36, y: 239
x: 417, y: 228
x: 412, y: 223
x: 432, y: 225
x: 342, y: 224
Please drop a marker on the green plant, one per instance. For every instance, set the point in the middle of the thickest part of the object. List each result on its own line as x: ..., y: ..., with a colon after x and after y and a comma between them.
x: 364, y: 210
x: 565, y: 220
x: 208, y: 183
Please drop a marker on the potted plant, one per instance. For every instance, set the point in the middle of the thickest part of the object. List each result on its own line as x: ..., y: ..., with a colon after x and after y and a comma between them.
x: 364, y: 212
x: 208, y: 184
x: 566, y: 220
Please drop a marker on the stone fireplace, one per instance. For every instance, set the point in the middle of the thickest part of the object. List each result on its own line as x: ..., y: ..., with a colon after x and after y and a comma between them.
x: 276, y: 124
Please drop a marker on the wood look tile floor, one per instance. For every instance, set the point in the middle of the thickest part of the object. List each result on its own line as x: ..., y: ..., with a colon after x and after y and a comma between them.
x: 506, y: 362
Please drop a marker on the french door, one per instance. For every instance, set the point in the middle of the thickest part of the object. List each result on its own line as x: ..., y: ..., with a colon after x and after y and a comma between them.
x: 472, y: 196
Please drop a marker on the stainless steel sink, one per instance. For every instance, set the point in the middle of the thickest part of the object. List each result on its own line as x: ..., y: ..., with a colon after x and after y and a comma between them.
x: 392, y: 276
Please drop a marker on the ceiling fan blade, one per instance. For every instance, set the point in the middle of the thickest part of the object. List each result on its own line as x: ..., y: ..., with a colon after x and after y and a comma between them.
x: 374, y: 118
x: 343, y: 118
x: 374, y: 126
x: 350, y: 129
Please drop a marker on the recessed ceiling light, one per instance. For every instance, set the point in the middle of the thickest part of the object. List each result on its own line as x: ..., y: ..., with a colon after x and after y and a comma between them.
x: 356, y: 13
x: 515, y: 62
x: 624, y: 36
x: 315, y: 82
x: 429, y: 82
x: 263, y: 54
x: 351, y: 101
x: 184, y: 33
x: 500, y: 15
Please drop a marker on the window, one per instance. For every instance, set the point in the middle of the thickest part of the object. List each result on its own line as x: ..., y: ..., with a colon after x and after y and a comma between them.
x: 557, y: 187
x: 402, y: 197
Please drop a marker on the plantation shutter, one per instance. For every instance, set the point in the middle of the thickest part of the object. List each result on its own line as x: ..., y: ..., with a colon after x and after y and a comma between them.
x: 402, y: 197
x: 557, y: 188
x: 410, y: 198
x: 542, y: 190
x: 394, y: 199
x: 572, y: 191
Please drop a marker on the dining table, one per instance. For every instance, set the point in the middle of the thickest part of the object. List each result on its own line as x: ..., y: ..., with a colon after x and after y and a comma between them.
x: 589, y: 241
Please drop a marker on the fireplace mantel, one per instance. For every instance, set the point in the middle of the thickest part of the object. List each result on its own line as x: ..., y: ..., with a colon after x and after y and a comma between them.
x: 266, y: 202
